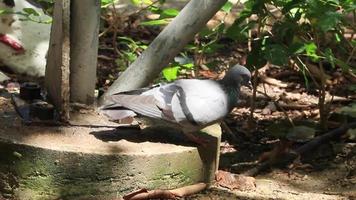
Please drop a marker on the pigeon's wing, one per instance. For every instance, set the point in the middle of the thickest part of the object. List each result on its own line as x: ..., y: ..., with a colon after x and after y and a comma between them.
x: 201, y: 102
x: 140, y: 104
x: 118, y: 114
x: 114, y: 103
x: 154, y: 103
x: 141, y: 90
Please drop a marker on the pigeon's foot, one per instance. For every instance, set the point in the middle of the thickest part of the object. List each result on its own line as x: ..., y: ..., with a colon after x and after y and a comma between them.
x: 198, y: 140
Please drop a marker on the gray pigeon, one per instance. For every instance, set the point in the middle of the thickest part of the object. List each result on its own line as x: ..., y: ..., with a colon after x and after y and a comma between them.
x: 187, y: 104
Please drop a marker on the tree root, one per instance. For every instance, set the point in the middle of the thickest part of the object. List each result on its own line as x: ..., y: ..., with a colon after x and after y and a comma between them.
x: 144, y: 194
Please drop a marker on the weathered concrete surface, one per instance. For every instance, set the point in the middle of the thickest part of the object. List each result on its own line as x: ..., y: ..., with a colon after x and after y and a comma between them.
x: 93, y: 163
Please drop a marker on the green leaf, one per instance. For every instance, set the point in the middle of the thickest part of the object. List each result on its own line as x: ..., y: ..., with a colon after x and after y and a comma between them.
x: 5, y: 11
x: 344, y: 66
x: 171, y: 73
x: 31, y: 11
x: 239, y: 32
x: 147, y: 2
x: 310, y: 49
x: 154, y: 9
x: 206, y: 32
x: 227, y: 7
x: 169, y: 13
x: 138, y: 2
x: 296, y: 48
x: 188, y: 65
x: 330, y: 57
x: 337, y: 37
x: 130, y: 56
x: 157, y: 22
x: 107, y: 3
x: 329, y: 21
x: 212, y: 48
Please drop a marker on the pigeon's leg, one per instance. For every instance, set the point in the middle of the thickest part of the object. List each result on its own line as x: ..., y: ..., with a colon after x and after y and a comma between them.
x: 198, y: 140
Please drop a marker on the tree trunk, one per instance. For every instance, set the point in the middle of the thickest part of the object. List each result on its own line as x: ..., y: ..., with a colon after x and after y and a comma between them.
x: 85, y: 20
x: 168, y: 44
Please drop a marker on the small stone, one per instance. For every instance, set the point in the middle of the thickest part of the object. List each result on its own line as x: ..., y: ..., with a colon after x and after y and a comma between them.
x: 266, y: 111
x: 17, y: 154
x: 269, y: 109
x: 305, y: 177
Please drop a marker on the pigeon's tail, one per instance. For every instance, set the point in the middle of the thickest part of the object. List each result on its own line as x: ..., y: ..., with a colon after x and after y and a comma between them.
x: 116, y: 112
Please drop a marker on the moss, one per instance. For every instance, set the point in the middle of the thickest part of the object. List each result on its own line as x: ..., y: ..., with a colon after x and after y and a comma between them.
x: 49, y: 174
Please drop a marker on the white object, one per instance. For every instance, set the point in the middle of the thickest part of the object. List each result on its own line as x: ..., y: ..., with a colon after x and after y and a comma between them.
x: 33, y: 36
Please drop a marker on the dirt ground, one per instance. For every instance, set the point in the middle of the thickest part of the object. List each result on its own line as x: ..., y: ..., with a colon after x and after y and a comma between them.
x: 326, y: 177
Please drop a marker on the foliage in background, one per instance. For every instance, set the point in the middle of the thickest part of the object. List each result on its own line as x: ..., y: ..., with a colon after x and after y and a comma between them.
x: 304, y: 34
x: 30, y: 14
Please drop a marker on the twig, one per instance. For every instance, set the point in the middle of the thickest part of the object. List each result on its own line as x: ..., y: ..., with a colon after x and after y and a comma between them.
x: 273, y: 81
x: 103, y: 57
x: 323, y: 112
x: 253, y: 98
x: 324, y: 138
x: 114, y: 37
x: 351, y: 55
x: 228, y: 130
x: 145, y: 7
x: 293, y: 106
x: 144, y: 194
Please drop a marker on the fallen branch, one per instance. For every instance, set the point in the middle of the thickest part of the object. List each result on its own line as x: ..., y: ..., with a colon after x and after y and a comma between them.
x: 273, y: 81
x: 228, y: 130
x: 336, y: 133
x: 293, y: 106
x: 300, y: 151
x: 144, y: 194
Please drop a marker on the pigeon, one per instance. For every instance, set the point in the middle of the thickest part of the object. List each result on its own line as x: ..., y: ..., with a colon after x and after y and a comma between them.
x: 187, y: 105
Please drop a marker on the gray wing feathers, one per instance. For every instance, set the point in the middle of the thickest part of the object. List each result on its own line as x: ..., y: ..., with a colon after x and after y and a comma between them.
x: 197, y: 102
x: 142, y: 104
x: 118, y: 114
x: 155, y: 103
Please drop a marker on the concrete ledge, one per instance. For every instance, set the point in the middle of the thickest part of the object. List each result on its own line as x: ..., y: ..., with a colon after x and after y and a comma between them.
x: 38, y: 162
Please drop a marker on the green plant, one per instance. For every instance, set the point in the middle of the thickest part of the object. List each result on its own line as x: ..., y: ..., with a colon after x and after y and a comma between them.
x: 129, y: 52
x: 28, y: 14
x: 301, y: 32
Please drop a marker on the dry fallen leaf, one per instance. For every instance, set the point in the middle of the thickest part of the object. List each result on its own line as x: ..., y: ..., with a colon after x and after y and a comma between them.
x: 235, y: 181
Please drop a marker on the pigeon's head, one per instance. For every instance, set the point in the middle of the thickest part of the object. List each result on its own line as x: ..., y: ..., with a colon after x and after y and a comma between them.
x: 238, y: 75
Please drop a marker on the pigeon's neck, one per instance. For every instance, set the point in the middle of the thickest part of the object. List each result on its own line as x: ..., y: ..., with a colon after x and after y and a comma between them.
x: 232, y: 91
